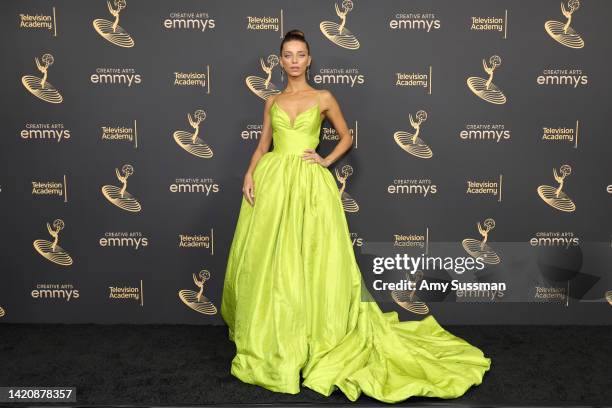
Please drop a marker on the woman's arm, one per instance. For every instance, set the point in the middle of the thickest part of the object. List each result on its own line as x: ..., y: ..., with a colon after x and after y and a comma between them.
x: 248, y: 185
x: 266, y: 137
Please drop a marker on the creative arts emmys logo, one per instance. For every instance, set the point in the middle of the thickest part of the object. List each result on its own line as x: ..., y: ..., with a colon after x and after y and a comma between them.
x: 263, y: 87
x: 348, y: 203
x: 477, y: 248
x: 562, y: 32
x: 188, y: 20
x: 553, y: 196
x: 39, y: 86
x: 112, y: 31
x: 51, y: 250
x: 485, y: 88
x: 119, y: 196
x: 190, y: 141
x: 196, y: 300
x: 408, y: 299
x: 411, y: 142
x: 56, y: 132
x: 338, y: 33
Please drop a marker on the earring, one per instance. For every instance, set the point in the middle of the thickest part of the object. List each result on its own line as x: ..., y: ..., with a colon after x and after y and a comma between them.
x: 308, y: 71
x: 282, y: 70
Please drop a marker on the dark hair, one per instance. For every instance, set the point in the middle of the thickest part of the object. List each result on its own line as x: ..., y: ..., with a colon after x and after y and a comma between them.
x: 294, y: 35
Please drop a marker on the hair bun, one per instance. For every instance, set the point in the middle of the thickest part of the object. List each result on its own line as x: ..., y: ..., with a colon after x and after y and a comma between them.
x: 295, y: 32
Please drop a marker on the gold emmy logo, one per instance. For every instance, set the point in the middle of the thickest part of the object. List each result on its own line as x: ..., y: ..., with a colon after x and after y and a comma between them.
x: 39, y: 86
x: 408, y: 299
x: 348, y: 203
x: 338, y: 33
x: 608, y: 296
x: 554, y: 196
x: 112, y: 31
x: 562, y: 32
x: 485, y: 88
x: 197, y: 301
x: 262, y: 87
x: 190, y: 141
x: 481, y: 249
x: 2, y: 312
x: 411, y: 142
x: 119, y: 196
x: 51, y: 250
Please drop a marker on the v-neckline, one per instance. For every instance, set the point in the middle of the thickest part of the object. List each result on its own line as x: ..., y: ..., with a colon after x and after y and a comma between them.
x: 292, y: 125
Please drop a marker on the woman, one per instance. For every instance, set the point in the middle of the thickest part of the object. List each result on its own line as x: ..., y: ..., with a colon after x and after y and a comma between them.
x: 294, y: 298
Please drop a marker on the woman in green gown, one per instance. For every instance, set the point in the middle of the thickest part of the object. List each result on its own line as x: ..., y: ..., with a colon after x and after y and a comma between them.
x: 294, y: 298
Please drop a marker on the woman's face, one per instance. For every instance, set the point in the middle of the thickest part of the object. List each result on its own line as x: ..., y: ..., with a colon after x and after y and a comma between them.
x: 295, y: 58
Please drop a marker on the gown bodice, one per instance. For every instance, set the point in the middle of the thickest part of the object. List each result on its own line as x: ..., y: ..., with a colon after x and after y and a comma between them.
x: 294, y: 138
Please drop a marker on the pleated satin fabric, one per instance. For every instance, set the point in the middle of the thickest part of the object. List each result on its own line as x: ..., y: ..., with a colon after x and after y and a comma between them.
x: 295, y: 301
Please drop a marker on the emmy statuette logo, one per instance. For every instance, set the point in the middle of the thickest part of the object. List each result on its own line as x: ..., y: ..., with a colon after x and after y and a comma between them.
x: 485, y: 88
x: 348, y: 203
x: 40, y: 87
x: 119, y: 196
x: 51, y: 250
x: 112, y: 31
x: 408, y: 299
x: 481, y: 249
x: 562, y: 32
x: 338, y: 33
x: 411, y: 142
x: 196, y: 300
x: 554, y: 196
x: 263, y: 87
x: 190, y: 141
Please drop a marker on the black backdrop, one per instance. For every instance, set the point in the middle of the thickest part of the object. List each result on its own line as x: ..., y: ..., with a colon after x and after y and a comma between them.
x: 117, y: 99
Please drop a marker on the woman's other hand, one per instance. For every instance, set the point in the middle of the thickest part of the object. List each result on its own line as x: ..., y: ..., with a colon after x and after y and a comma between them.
x: 248, y: 189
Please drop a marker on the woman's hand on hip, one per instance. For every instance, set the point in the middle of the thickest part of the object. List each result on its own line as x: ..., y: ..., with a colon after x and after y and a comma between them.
x: 311, y: 156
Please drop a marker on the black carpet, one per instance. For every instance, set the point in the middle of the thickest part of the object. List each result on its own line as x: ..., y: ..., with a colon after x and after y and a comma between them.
x: 179, y: 364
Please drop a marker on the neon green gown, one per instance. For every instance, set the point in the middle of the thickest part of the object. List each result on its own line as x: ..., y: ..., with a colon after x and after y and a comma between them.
x: 295, y: 302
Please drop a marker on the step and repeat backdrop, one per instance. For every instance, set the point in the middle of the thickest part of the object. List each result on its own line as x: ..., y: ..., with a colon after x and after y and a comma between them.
x: 481, y: 130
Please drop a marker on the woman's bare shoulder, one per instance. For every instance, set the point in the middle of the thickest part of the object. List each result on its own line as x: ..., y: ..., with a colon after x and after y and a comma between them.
x: 270, y: 101
x: 326, y: 98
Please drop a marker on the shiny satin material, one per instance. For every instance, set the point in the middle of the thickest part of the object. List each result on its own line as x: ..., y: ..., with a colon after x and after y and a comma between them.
x: 295, y: 301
